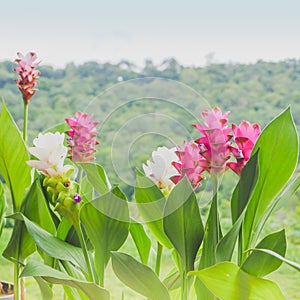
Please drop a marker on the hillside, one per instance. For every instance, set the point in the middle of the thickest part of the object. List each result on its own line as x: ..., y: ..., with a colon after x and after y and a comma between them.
x: 138, y: 112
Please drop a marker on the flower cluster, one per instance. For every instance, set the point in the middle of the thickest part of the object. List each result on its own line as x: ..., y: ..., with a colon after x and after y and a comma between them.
x: 28, y: 73
x: 82, y: 136
x: 212, y: 152
x: 51, y: 153
x: 214, y: 145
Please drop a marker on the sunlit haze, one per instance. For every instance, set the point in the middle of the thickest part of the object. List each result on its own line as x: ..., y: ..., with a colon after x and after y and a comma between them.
x: 193, y: 32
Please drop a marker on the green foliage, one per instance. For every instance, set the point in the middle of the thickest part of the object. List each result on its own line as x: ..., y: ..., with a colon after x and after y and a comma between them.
x: 2, y: 207
x: 226, y: 281
x: 106, y: 221
x: 239, y: 200
x: 34, y: 207
x: 244, y: 188
x: 96, y: 176
x: 141, y: 240
x: 52, y: 245
x: 182, y: 223
x: 272, y: 175
x: 175, y: 222
x: 293, y: 264
x: 138, y: 276
x: 13, y: 157
x: 260, y: 264
x: 93, y: 291
x: 151, y: 203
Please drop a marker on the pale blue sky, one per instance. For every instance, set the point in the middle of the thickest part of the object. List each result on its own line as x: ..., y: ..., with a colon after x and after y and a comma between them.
x: 236, y: 31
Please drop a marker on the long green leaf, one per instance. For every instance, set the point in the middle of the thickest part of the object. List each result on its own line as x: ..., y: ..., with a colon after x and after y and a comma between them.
x: 86, y: 189
x: 46, y: 290
x: 278, y: 144
x: 281, y: 199
x: 34, y: 207
x: 182, y: 223
x: 138, y: 276
x: 13, y: 157
x: 244, y: 188
x: 225, y: 247
x: 211, y: 236
x: 151, y: 203
x: 227, y: 282
x: 141, y: 240
x: 239, y: 201
x: 172, y: 280
x: 2, y: 207
x: 106, y: 221
x: 97, y: 177
x: 279, y: 257
x: 260, y: 264
x: 53, y: 276
x: 53, y: 246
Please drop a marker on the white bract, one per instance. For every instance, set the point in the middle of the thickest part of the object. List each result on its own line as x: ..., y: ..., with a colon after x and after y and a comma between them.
x: 51, y: 152
x: 161, y: 169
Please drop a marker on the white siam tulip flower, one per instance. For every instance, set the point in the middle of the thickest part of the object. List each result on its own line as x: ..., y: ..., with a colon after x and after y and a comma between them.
x: 161, y: 169
x: 51, y: 152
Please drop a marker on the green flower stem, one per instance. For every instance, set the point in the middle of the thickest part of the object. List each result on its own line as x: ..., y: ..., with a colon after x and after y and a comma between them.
x: 158, y: 258
x: 91, y: 276
x: 184, y: 286
x: 80, y: 175
x: 240, y: 249
x: 17, y: 294
x: 215, y: 187
x: 22, y: 282
x: 25, y: 122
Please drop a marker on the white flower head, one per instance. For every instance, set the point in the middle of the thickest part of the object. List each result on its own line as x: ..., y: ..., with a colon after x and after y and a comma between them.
x: 51, y: 152
x: 161, y: 169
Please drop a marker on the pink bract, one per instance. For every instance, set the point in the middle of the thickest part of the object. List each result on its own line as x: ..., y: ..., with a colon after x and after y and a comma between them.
x: 28, y: 73
x: 214, y: 146
x: 245, y: 136
x: 189, y: 164
x: 82, y: 137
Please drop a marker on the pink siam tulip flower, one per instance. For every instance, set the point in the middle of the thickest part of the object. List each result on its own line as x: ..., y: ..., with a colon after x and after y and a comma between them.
x: 189, y: 165
x: 245, y: 136
x: 214, y: 146
x: 28, y: 73
x: 82, y: 137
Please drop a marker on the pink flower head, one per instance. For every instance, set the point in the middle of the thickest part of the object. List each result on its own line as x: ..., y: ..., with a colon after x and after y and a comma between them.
x: 245, y: 136
x: 82, y: 137
x: 28, y: 73
x: 214, y: 145
x: 189, y: 164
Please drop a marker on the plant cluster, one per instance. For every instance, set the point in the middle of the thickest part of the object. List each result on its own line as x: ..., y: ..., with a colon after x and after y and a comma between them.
x: 66, y: 208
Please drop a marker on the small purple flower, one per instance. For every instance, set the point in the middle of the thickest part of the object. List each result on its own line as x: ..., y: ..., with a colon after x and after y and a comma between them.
x: 77, y: 198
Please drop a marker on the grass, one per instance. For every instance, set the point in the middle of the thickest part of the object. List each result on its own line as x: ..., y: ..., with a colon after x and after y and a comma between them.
x: 286, y: 277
